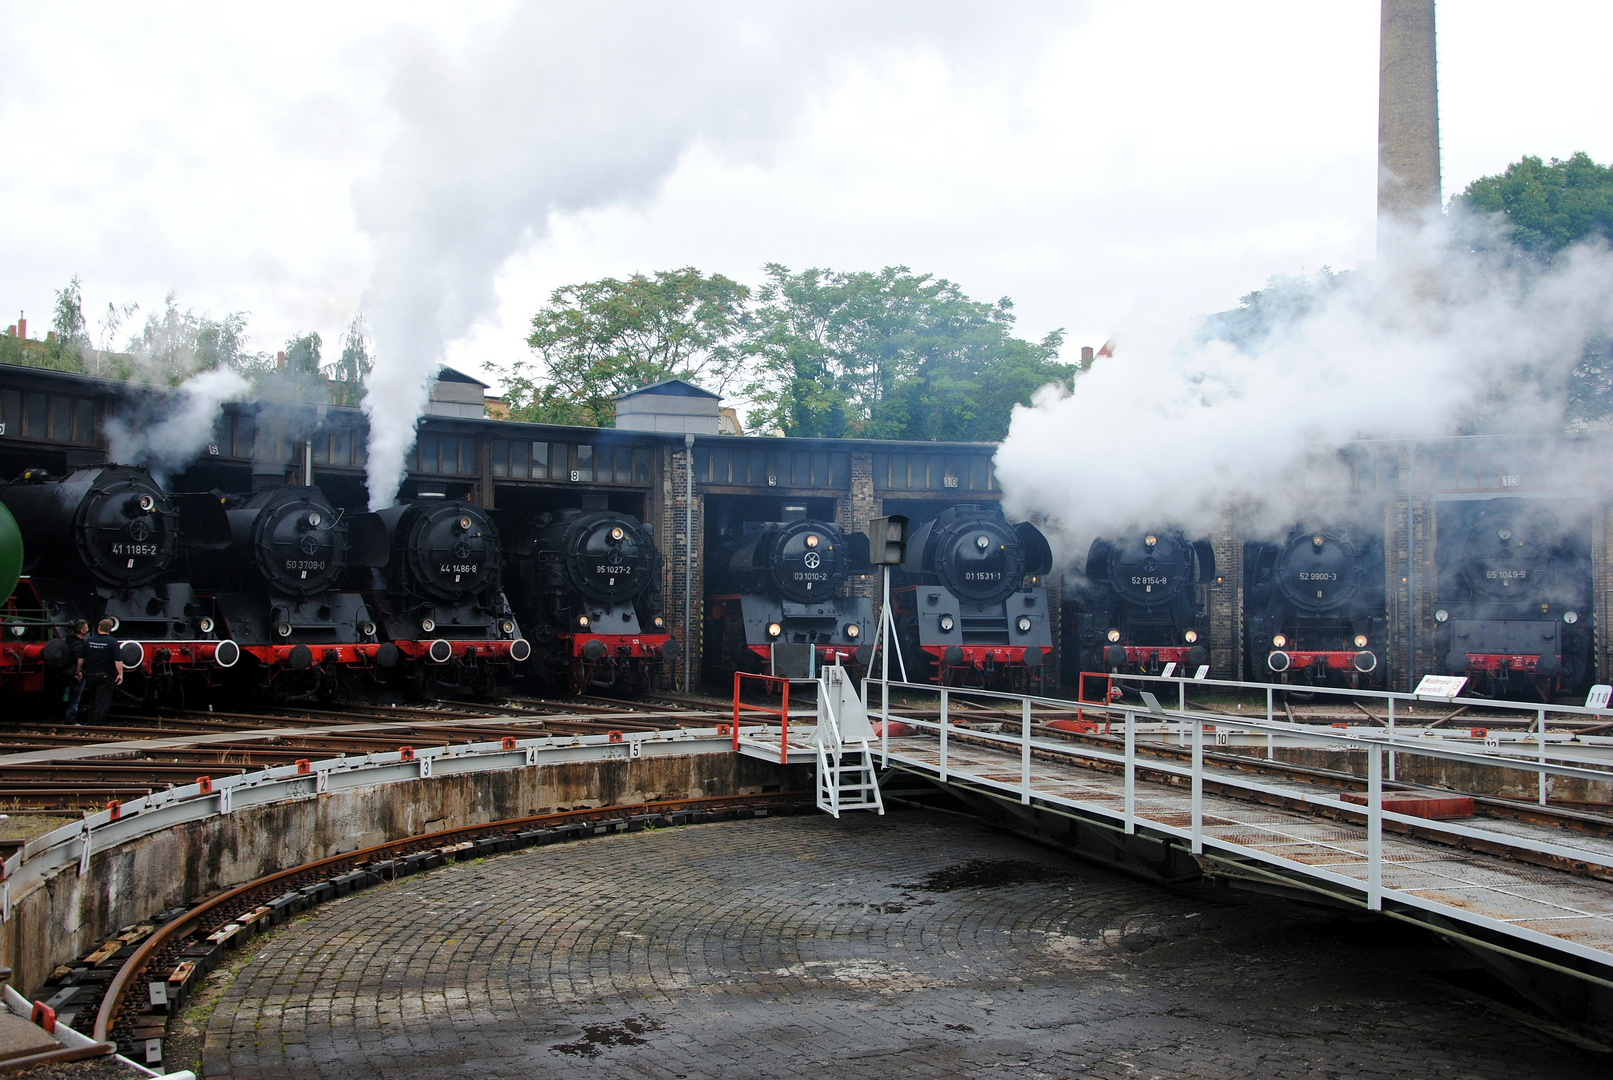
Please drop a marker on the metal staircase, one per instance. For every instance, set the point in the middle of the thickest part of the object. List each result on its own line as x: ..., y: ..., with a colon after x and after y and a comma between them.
x: 846, y: 777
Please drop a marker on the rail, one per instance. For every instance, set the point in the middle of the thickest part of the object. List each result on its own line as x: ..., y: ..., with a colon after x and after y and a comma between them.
x: 1549, y: 759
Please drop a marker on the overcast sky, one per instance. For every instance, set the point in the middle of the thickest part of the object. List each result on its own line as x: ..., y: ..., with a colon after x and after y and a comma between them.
x: 1102, y: 165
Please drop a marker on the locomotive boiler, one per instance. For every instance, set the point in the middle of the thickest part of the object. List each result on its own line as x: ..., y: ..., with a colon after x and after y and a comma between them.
x: 104, y: 542
x: 972, y: 609
x: 1140, y: 606
x: 1316, y: 610
x: 1514, y: 599
x: 775, y: 599
x: 277, y: 578
x: 435, y: 589
x: 587, y: 586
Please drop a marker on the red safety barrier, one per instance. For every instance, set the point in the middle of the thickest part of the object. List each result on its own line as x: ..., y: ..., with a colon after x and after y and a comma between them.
x: 1108, y: 697
x: 782, y: 712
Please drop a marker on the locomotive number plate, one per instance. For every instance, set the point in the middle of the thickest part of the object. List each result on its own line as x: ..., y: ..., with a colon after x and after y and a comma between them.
x: 304, y: 564
x: 1317, y: 575
x: 458, y: 568
x: 619, y: 571
x: 982, y: 575
x: 134, y: 549
x: 1148, y: 580
x: 806, y: 575
x: 1506, y: 575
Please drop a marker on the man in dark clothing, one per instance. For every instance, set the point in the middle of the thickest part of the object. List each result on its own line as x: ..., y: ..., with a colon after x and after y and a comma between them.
x: 75, y: 673
x: 102, y: 670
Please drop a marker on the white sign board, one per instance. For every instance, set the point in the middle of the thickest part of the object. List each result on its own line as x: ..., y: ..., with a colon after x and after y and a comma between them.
x: 1598, y: 697
x: 1169, y: 670
x: 1440, y: 686
x: 1204, y: 669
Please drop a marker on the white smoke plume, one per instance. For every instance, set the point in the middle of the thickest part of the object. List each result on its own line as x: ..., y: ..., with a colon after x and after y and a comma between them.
x: 564, y: 107
x: 165, y: 434
x: 1432, y: 340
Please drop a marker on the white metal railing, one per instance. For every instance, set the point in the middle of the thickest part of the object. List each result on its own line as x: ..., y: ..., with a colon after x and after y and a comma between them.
x: 38, y: 860
x: 1376, y: 743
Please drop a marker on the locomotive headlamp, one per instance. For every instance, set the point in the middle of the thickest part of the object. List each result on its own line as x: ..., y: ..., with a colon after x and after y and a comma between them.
x: 367, y: 628
x: 946, y: 624
x: 982, y: 542
x: 774, y: 629
x: 506, y: 626
x: 464, y: 523
x: 582, y: 621
x: 852, y: 630
x: 1317, y: 540
x: 314, y: 519
x: 283, y: 629
x: 616, y: 533
x: 659, y: 622
x: 1191, y: 636
x: 1360, y: 641
x: 1024, y: 624
x: 1570, y: 617
x: 147, y: 504
x: 1441, y: 615
x: 1151, y: 540
x: 428, y: 625
x: 1279, y: 640
x: 1505, y: 534
x: 205, y: 625
x: 1114, y: 635
x: 812, y: 540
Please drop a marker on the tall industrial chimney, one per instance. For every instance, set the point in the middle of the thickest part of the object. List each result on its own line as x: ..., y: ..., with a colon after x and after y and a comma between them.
x: 1408, y: 113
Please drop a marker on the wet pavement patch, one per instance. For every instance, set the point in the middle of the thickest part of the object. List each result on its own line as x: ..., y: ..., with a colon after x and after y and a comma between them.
x: 987, y: 874
x: 597, y: 1037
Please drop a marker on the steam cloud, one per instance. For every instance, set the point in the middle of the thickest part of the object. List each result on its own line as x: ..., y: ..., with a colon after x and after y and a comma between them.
x: 1434, y: 339
x: 568, y: 107
x: 165, y: 436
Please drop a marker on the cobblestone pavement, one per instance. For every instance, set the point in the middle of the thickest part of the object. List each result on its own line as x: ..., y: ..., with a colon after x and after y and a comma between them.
x: 905, y: 946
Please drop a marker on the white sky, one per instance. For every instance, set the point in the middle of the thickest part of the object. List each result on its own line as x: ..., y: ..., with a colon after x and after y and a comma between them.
x: 1102, y: 165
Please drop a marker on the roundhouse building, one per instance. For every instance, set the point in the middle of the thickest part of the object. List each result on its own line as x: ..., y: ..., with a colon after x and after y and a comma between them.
x: 667, y: 464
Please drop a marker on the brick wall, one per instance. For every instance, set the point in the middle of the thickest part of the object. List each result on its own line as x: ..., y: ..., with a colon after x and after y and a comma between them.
x: 1225, y: 599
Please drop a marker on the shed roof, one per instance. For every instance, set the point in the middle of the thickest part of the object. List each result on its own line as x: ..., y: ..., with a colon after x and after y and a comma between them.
x: 671, y: 388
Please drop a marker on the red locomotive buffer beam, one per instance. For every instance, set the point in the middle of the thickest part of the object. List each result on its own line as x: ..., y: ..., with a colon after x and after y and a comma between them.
x: 828, y: 655
x: 441, y: 650
x: 985, y: 656
x: 1162, y: 654
x: 1496, y: 663
x: 1351, y: 661
x: 620, y: 646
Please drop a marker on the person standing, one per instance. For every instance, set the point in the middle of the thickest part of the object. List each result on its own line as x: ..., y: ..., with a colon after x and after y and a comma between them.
x: 102, y: 670
x: 75, y: 666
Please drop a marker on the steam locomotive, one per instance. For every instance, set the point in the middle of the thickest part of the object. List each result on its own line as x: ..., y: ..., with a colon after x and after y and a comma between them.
x: 971, y: 610
x: 1515, y: 592
x: 776, y: 605
x: 276, y: 576
x: 1315, y: 608
x: 104, y: 542
x: 432, y: 576
x: 587, y: 584
x: 1139, y: 608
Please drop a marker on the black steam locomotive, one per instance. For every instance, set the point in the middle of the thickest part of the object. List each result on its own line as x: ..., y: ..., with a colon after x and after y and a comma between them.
x: 104, y: 542
x: 1315, y: 610
x: 775, y: 603
x: 435, y: 589
x: 1140, y: 607
x: 1515, y: 592
x: 587, y: 585
x: 971, y: 609
x: 277, y: 578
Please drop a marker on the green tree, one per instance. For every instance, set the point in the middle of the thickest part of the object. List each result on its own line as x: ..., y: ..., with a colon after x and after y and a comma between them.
x: 71, y: 331
x: 603, y: 338
x: 302, y: 354
x: 889, y: 354
x: 1546, y: 207
x: 348, y: 373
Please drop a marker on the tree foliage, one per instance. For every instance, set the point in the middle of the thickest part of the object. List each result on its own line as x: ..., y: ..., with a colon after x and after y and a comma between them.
x: 1546, y: 207
x: 603, y: 338
x: 889, y: 354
